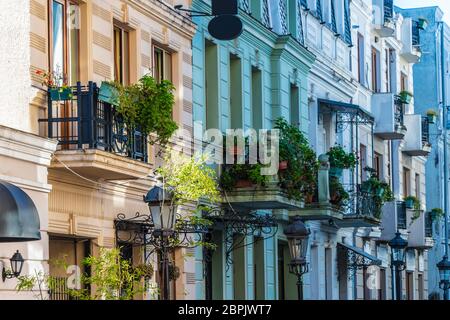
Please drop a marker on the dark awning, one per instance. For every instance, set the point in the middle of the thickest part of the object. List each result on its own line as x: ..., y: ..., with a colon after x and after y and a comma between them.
x: 19, y: 218
x: 359, y: 256
x: 348, y: 108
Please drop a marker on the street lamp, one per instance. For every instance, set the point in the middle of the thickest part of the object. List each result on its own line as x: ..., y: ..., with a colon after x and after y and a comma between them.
x: 297, y: 235
x: 444, y: 273
x: 398, y: 261
x: 16, y: 267
x: 163, y: 215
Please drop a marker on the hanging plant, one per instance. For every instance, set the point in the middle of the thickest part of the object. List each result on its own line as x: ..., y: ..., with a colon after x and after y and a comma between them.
x: 412, y: 202
x: 148, y: 106
x: 338, y: 195
x: 432, y: 116
x: 56, y: 84
x: 340, y: 159
x: 379, y: 191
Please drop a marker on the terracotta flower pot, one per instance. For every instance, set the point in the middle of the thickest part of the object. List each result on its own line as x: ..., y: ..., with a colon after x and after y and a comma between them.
x: 283, y: 165
x: 243, y: 184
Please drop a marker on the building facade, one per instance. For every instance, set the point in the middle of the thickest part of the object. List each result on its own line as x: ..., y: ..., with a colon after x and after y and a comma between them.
x: 335, y: 69
x: 96, y: 170
x: 433, y: 69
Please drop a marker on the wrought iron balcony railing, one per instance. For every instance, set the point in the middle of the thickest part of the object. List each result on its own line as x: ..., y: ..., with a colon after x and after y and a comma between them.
x: 428, y: 225
x: 85, y: 122
x: 425, y: 130
x: 388, y: 10
x: 361, y: 203
x: 415, y: 34
x: 398, y: 114
x: 401, y: 215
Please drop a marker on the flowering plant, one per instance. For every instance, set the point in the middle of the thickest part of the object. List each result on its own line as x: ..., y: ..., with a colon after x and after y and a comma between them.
x: 52, y: 79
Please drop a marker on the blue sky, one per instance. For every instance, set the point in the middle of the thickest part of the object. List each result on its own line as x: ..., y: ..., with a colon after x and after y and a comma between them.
x: 443, y: 4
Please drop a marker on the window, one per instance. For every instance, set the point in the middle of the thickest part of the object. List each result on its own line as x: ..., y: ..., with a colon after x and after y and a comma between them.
x: 382, y: 286
x: 377, y: 164
x: 236, y: 116
x: 162, y: 64
x: 387, y: 75
x: 375, y: 70
x: 421, y: 286
x: 121, y: 55
x: 403, y: 82
x: 64, y: 26
x: 361, y: 64
x: 257, y: 99
x: 211, y: 85
x: 417, y: 185
x: 295, y: 106
x: 281, y: 277
x: 409, y: 285
x: 406, y: 182
x: 328, y: 274
x: 363, y: 160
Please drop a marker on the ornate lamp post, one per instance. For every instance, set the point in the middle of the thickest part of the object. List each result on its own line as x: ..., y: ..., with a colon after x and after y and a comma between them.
x: 398, y: 262
x: 444, y: 273
x: 298, y: 235
x: 163, y: 215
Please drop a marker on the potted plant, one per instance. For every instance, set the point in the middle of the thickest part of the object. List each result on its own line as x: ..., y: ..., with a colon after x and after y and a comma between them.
x: 338, y: 195
x: 108, y: 93
x: 340, y: 160
x: 283, y: 165
x: 56, y: 84
x: 431, y: 115
x: 405, y: 96
x: 148, y: 105
x: 436, y: 214
x: 422, y: 24
x: 412, y: 202
x: 299, y: 177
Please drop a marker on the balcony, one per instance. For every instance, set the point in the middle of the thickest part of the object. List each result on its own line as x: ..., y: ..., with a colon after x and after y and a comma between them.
x: 393, y: 219
x: 388, y: 112
x: 411, y: 50
x: 361, y: 211
x: 93, y: 140
x: 418, y: 238
x: 417, y: 138
x: 384, y: 17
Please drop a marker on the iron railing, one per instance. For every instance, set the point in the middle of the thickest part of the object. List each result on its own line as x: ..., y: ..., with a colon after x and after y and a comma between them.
x: 425, y: 130
x: 428, y: 225
x: 59, y: 290
x: 398, y: 112
x: 361, y: 203
x: 401, y: 215
x: 415, y: 34
x: 388, y: 10
x: 85, y: 122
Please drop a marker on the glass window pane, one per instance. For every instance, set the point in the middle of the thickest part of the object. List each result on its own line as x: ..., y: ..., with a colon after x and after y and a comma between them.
x: 167, y: 66
x: 158, y: 65
x: 126, y: 57
x: 117, y: 55
x: 58, y: 40
x: 74, y: 43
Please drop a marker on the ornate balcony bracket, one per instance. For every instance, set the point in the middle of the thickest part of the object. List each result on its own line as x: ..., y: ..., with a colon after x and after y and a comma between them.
x: 355, y: 259
x: 262, y: 227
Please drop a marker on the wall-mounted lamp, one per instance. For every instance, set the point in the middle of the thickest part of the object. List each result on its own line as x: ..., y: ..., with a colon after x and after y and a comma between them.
x: 16, y: 267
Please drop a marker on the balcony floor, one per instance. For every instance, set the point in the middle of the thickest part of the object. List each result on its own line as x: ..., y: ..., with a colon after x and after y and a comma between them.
x: 97, y: 164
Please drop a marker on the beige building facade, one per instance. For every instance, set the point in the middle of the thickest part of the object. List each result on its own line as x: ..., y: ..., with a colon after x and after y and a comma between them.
x: 80, y: 188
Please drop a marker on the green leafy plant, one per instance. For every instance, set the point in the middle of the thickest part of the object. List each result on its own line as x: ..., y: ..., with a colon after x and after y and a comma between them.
x: 300, y: 176
x: 192, y: 184
x: 148, y: 105
x: 113, y: 277
x: 339, y: 196
x: 233, y: 173
x: 405, y: 96
x: 379, y: 192
x: 339, y: 158
x: 437, y: 214
x: 432, y: 112
x: 414, y: 201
